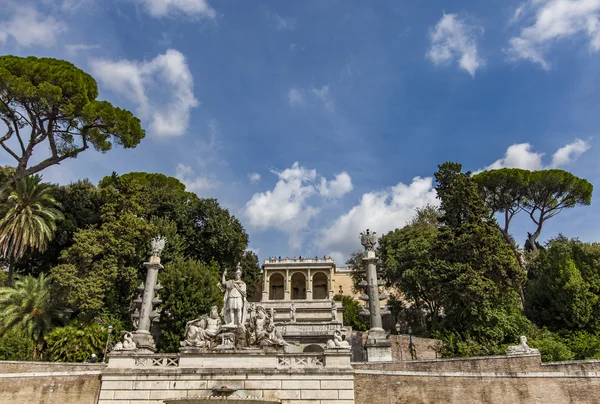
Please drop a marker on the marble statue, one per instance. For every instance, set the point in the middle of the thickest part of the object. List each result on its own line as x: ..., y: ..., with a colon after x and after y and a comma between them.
x: 203, y: 331
x: 333, y: 311
x: 157, y: 244
x: 337, y: 342
x: 292, y: 313
x: 257, y: 327
x: 272, y: 337
x: 522, y: 348
x: 234, y: 299
x: 127, y: 344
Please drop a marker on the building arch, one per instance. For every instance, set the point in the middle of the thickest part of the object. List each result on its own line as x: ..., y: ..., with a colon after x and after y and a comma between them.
x: 276, y: 286
x: 298, y: 286
x: 313, y: 348
x: 320, y: 286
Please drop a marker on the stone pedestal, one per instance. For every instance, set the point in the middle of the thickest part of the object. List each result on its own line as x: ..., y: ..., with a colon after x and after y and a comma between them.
x: 378, y: 346
x: 144, y: 341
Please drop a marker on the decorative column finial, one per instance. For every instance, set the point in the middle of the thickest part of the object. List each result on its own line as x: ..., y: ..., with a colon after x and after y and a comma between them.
x: 368, y: 240
x: 158, y: 245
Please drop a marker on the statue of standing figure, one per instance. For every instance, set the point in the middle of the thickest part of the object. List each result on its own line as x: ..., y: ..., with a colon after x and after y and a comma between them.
x: 234, y: 299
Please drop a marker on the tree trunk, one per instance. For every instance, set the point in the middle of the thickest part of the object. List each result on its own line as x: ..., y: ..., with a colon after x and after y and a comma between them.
x: 11, y: 270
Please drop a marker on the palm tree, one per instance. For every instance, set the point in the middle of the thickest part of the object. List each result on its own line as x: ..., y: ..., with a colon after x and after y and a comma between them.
x: 28, y: 220
x: 30, y: 307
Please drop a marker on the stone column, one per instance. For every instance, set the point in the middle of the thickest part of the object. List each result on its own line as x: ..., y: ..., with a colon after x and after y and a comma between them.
x: 142, y: 337
x: 287, y: 291
x: 378, y: 347
x: 309, y: 286
x: 265, y: 291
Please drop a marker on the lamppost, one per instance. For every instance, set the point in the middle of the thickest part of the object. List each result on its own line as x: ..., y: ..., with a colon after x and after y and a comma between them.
x: 110, y: 329
x: 398, y: 327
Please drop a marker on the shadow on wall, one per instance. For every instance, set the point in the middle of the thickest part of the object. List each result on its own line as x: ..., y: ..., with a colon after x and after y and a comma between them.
x: 423, y: 348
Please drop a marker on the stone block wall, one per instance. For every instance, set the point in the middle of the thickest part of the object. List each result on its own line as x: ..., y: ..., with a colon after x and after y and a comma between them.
x: 152, y: 386
x: 497, y: 380
x: 49, y: 382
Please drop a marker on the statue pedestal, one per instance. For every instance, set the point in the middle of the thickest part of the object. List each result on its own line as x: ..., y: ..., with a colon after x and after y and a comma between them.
x: 144, y: 341
x: 378, y: 346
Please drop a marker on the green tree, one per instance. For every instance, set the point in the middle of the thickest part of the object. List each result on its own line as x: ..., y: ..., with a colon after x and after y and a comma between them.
x: 551, y: 191
x: 80, y: 203
x: 564, y: 286
x: 190, y: 288
x: 31, y: 307
x: 251, y: 275
x: 352, y: 313
x: 542, y: 194
x: 51, y: 101
x: 76, y: 342
x: 406, y: 256
x: 478, y: 272
x: 104, y: 265
x: 28, y: 220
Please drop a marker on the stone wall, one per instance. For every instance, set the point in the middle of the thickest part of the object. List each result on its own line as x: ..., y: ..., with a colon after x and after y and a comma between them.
x: 425, y: 348
x: 49, y: 382
x: 292, y: 378
x: 498, y: 380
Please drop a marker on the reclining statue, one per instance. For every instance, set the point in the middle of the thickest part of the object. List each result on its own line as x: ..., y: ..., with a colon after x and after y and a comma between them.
x: 202, y: 332
x: 522, y: 348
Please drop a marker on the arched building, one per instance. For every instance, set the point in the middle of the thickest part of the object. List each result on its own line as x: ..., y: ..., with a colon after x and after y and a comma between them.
x: 300, y: 292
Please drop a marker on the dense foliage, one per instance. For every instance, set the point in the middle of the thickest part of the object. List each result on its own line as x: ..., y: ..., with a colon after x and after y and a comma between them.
x: 97, y: 253
x: 467, y: 278
x: 352, y: 315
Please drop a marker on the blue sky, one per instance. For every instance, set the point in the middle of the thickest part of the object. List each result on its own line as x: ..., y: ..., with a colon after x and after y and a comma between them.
x: 314, y: 120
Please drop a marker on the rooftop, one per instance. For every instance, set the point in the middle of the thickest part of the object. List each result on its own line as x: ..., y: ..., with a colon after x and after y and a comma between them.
x: 304, y: 260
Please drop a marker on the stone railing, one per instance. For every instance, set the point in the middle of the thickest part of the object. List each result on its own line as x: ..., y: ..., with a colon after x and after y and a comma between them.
x: 300, y: 361
x: 162, y: 361
x: 308, y: 328
x: 327, y: 260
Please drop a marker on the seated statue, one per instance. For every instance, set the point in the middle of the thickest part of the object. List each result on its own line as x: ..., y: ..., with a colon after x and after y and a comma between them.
x: 337, y: 342
x: 522, y: 348
x: 127, y: 344
x: 257, y: 326
x: 202, y: 332
x: 272, y: 337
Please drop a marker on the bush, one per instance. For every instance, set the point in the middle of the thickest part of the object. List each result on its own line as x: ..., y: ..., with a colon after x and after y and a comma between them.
x: 76, y: 342
x: 16, y: 345
x: 583, y: 345
x: 551, y: 346
x: 351, y: 313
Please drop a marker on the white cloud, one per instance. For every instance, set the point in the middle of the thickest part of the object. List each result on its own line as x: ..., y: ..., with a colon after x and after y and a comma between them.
x: 163, y: 8
x: 27, y: 27
x: 162, y: 89
x: 518, y: 156
x: 284, y: 24
x: 453, y: 39
x: 380, y: 211
x: 323, y: 95
x: 194, y: 183
x: 336, y: 188
x: 73, y: 49
x: 521, y: 156
x: 286, y: 207
x: 295, y: 96
x: 554, y: 20
x: 254, y: 177
x: 569, y: 153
